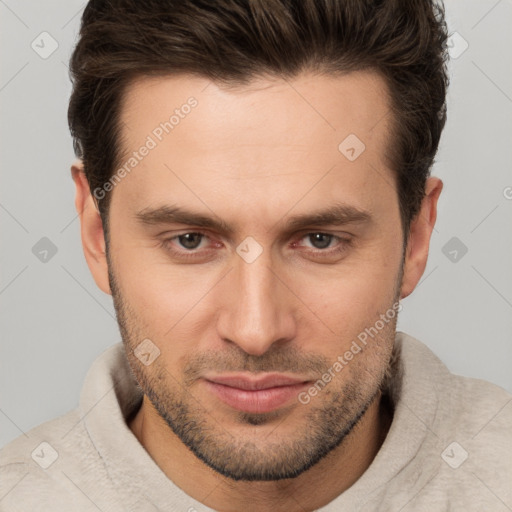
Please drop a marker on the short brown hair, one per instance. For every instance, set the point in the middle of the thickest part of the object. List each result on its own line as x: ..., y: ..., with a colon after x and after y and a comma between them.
x: 234, y: 41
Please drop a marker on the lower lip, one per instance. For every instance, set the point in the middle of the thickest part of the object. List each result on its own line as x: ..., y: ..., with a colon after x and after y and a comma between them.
x: 258, y: 401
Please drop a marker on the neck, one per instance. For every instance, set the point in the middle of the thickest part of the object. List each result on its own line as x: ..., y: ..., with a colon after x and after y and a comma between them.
x: 311, y: 490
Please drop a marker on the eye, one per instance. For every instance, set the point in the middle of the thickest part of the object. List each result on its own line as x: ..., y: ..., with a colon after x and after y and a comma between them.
x: 190, y: 246
x: 186, y: 245
x: 320, y: 240
x: 323, y: 242
x: 190, y: 240
x: 324, y: 247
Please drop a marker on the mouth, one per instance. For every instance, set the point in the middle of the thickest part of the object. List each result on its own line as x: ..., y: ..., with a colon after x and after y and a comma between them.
x: 255, y: 395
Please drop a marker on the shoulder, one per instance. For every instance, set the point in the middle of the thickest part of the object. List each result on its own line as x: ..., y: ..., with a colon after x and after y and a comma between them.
x: 50, y: 467
x: 35, y: 447
x: 468, y: 447
x: 57, y: 465
x: 478, y: 416
x: 464, y: 405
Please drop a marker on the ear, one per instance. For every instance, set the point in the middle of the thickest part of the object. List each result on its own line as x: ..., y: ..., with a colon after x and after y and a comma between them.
x: 93, y: 237
x: 419, y: 237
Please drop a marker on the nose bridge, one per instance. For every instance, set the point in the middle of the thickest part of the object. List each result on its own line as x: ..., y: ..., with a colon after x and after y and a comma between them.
x: 257, y: 314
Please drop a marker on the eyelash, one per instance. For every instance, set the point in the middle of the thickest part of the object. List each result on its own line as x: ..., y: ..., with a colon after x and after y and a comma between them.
x: 196, y: 253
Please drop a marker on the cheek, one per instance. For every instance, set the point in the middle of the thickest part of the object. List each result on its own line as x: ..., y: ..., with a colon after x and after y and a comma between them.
x: 165, y: 298
x: 351, y: 296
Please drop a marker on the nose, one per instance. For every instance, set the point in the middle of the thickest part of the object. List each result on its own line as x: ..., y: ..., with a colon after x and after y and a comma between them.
x: 258, y: 308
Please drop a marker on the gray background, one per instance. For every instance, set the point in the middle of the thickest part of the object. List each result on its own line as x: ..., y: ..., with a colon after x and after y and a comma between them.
x: 54, y: 319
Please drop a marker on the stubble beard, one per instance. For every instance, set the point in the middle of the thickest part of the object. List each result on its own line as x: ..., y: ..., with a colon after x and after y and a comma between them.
x: 331, y: 417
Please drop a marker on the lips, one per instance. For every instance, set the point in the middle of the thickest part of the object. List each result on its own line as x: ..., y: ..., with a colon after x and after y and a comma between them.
x: 264, y: 382
x: 256, y: 394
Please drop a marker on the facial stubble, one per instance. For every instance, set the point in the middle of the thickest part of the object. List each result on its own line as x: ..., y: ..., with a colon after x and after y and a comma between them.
x: 239, y: 452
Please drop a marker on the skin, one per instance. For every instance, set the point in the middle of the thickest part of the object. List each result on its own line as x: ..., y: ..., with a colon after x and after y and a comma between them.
x: 255, y: 156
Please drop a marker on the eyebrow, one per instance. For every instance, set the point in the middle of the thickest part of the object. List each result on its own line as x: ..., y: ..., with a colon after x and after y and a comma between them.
x: 336, y: 215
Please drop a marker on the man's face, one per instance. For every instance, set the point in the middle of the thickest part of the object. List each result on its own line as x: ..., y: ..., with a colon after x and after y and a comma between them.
x: 256, y: 294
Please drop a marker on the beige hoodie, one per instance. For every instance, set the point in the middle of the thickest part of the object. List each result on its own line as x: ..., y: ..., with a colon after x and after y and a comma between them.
x: 449, y: 448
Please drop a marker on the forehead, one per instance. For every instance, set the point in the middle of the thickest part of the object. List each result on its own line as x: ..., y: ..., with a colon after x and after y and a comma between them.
x: 340, y: 104
x: 256, y: 141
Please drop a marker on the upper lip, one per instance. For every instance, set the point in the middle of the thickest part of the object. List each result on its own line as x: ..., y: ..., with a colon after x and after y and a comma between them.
x: 255, y: 383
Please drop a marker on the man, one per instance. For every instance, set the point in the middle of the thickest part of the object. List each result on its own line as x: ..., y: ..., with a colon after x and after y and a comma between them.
x: 254, y: 193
